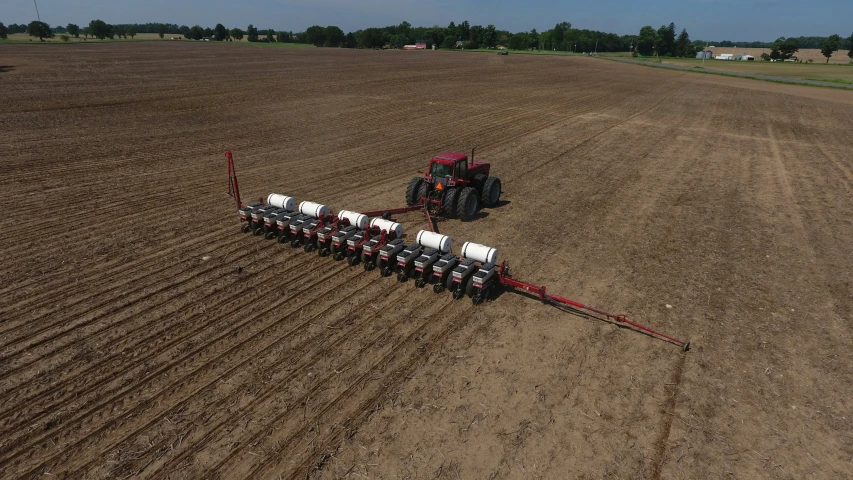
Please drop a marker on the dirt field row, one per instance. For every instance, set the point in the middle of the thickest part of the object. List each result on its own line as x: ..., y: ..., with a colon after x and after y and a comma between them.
x: 142, y: 334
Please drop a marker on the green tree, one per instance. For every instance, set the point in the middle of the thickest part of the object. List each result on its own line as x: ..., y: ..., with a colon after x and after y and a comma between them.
x: 518, y: 41
x: 73, y: 30
x: 350, y: 41
x: 315, y: 35
x: 283, y: 37
x: 558, y: 38
x: 665, y: 41
x: 161, y: 29
x: 449, y: 42
x: 196, y: 33
x: 65, y: 37
x: 830, y: 46
x: 682, y: 44
x: 489, y: 37
x: 405, y: 29
x: 131, y: 32
x: 334, y: 36
x: 451, y: 31
x: 86, y: 31
x: 39, y: 29
x: 783, y: 48
x: 236, y: 34
x: 99, y: 29
x: 3, y: 30
x: 252, y: 33
x: 464, y: 30
x: 850, y: 42
x: 220, y: 33
x: 119, y: 31
x: 533, y: 39
x: 476, y: 40
x: 646, y: 40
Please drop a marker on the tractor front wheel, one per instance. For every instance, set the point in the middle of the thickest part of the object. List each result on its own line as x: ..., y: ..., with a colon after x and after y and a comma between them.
x: 413, y: 190
x: 468, y: 204
x: 448, y: 203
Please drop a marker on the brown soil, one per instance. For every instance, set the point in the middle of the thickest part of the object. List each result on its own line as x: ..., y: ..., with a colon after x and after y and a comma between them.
x: 123, y: 351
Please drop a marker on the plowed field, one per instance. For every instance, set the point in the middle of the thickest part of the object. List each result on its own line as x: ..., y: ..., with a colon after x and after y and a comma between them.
x: 142, y: 334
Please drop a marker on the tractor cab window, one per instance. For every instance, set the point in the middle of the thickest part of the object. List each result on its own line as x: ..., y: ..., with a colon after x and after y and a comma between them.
x: 441, y: 170
x: 462, y: 170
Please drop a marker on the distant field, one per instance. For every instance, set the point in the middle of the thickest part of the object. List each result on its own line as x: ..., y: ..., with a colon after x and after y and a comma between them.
x: 812, y: 71
x: 23, y: 37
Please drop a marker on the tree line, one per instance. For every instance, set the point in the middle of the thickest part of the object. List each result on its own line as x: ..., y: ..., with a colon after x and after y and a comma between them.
x: 664, y: 42
x: 563, y: 37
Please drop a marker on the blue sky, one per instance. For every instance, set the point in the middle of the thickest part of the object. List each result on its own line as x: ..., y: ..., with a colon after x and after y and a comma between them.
x: 748, y: 20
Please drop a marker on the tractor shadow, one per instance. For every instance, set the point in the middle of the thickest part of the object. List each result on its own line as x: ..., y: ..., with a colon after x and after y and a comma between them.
x: 6, y: 68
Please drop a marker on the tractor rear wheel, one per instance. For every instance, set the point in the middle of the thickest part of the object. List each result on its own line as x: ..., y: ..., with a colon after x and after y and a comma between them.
x: 448, y: 204
x: 413, y: 190
x: 468, y: 204
x: 491, y: 192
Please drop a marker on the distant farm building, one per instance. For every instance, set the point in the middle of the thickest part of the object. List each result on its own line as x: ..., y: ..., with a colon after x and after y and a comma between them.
x: 725, y: 56
x: 744, y: 56
x: 420, y: 45
x: 705, y: 54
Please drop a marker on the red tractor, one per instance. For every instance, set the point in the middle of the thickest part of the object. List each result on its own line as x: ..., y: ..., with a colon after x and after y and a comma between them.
x: 455, y: 186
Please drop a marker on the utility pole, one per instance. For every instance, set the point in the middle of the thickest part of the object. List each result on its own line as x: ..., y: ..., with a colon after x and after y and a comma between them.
x: 37, y: 10
x: 596, y: 46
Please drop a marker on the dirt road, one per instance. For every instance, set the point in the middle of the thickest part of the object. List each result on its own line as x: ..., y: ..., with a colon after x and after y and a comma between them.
x: 142, y: 334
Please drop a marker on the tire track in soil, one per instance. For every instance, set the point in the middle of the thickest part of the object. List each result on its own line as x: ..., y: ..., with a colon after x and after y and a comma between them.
x: 367, y: 407
x: 668, y: 413
x: 265, y: 402
x: 116, y: 268
x: 240, y: 328
x: 120, y: 345
x: 586, y: 140
x: 347, y: 394
x: 845, y: 171
x: 73, y: 317
x: 272, y: 344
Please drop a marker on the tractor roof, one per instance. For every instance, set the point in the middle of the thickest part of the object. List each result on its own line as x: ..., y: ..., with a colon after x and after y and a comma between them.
x: 452, y: 156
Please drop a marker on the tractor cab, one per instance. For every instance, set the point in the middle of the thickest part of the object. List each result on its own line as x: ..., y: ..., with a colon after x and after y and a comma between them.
x: 450, y: 169
x: 455, y: 186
